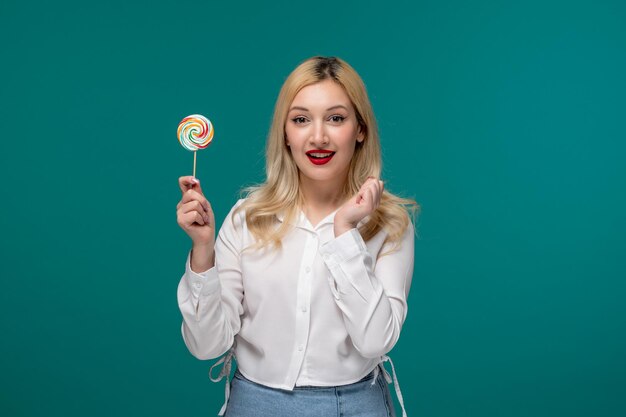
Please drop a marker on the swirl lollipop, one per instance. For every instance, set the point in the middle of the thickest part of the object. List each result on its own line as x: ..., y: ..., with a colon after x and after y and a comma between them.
x: 195, y: 132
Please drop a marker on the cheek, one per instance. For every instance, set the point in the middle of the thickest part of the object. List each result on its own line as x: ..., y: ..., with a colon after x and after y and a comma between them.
x: 346, y: 132
x: 293, y: 136
x: 347, y: 138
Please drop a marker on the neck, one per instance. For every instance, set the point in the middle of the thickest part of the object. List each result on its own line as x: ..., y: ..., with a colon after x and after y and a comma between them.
x: 320, y: 198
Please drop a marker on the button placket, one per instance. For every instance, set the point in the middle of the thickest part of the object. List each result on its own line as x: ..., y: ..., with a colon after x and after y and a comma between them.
x: 302, y: 304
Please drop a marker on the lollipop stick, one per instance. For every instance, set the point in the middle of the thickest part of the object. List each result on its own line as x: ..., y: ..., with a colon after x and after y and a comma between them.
x: 194, y: 164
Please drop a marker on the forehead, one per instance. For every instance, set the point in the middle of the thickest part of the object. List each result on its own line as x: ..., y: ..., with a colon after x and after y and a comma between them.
x: 323, y: 94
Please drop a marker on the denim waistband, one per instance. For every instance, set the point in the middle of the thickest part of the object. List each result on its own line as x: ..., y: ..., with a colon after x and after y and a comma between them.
x: 367, y: 377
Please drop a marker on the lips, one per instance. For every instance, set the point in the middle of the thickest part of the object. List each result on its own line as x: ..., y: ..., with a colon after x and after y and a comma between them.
x: 319, y: 156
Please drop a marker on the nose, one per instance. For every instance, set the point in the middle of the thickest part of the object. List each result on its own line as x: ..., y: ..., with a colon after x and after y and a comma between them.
x: 319, y: 136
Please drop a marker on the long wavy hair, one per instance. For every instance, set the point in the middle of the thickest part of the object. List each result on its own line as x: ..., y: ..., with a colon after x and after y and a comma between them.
x: 280, y: 193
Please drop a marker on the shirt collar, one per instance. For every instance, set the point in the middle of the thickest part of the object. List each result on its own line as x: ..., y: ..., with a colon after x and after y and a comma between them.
x: 303, y: 222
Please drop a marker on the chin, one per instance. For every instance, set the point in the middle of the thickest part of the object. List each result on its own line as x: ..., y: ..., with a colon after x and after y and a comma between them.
x: 322, y: 176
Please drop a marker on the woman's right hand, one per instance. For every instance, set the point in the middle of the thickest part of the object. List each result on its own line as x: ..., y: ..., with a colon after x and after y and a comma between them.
x: 195, y: 217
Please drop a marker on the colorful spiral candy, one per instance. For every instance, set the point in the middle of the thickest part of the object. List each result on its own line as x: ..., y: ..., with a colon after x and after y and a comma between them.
x: 195, y: 132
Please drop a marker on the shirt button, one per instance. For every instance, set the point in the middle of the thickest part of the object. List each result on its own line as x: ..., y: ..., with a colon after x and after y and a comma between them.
x: 300, y: 348
x: 307, y: 269
x: 197, y: 285
x: 303, y: 308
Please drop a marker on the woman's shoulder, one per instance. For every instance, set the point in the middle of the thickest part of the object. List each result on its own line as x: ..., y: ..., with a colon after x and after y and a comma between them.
x: 239, y: 203
x: 237, y: 211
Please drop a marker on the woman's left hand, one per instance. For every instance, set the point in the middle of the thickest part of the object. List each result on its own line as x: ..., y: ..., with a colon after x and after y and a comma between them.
x: 359, y: 206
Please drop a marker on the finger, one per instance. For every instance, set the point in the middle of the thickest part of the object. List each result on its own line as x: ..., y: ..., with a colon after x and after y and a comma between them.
x: 198, y: 209
x: 364, y: 197
x: 198, y: 187
x: 370, y: 180
x: 372, y: 185
x: 186, y: 183
x: 377, y: 195
x: 194, y: 205
x: 188, y: 219
x: 191, y: 195
x: 359, y: 196
x: 372, y: 198
x: 376, y: 188
x: 377, y: 185
x: 190, y: 183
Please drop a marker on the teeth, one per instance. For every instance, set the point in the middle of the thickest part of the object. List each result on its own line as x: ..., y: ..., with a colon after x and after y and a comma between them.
x: 320, y: 155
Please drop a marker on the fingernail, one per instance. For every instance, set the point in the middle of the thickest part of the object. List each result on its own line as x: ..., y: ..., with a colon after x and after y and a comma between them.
x: 195, y: 181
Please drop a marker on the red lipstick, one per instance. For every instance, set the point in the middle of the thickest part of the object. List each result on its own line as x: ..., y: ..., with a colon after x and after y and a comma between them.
x: 320, y: 156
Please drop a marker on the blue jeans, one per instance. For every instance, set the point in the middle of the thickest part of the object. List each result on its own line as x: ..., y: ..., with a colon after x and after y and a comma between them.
x: 360, y: 399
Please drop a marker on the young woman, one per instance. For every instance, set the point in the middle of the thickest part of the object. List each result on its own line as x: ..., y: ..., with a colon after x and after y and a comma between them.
x: 307, y: 282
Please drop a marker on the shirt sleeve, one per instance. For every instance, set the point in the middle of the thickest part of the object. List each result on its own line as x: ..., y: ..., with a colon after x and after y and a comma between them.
x: 371, y: 295
x: 211, y: 301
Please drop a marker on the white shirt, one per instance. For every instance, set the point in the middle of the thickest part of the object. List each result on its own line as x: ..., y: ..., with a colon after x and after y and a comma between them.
x: 320, y: 311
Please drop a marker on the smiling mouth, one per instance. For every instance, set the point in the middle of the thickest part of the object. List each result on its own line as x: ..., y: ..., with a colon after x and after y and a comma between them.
x: 320, y: 157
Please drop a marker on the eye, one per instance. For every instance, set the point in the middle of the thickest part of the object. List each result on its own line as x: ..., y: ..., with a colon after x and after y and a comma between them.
x: 336, y: 118
x: 299, y: 120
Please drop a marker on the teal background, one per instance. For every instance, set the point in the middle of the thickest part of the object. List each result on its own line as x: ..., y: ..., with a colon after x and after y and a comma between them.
x: 504, y: 120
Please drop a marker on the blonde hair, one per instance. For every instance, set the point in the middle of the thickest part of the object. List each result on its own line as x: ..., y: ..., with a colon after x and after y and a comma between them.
x: 280, y: 193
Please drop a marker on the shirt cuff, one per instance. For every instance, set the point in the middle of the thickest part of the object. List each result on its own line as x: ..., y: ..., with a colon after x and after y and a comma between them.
x: 203, y: 283
x: 346, y: 246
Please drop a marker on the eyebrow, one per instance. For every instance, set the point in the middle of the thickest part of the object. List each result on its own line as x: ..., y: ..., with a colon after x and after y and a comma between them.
x: 339, y: 106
